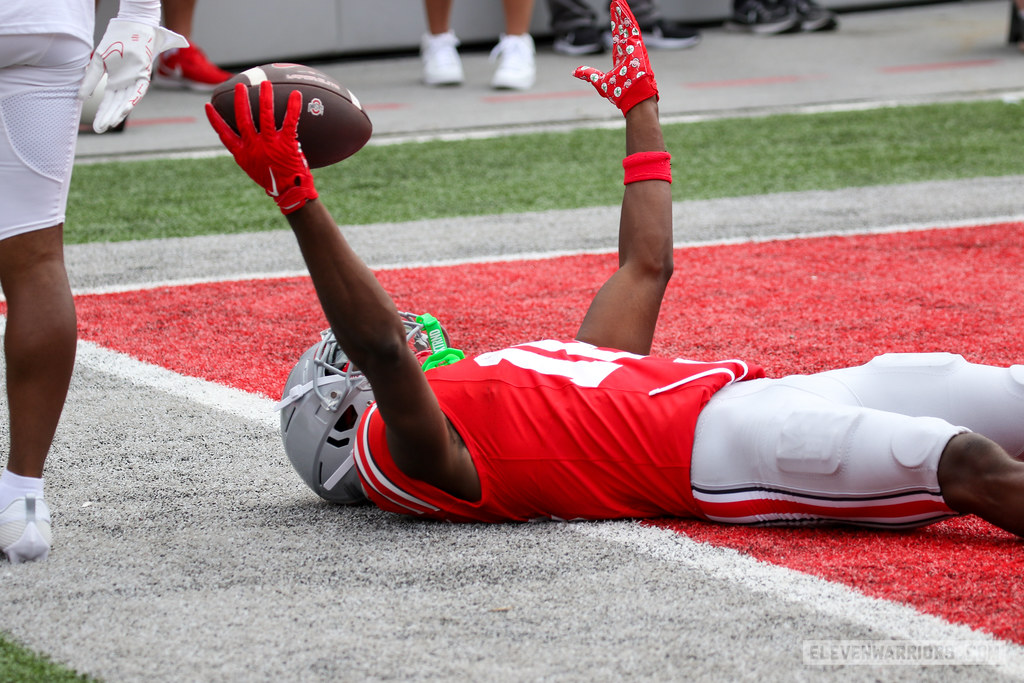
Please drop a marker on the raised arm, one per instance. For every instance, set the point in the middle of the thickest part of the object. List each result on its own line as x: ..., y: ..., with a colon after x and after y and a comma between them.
x: 361, y: 314
x: 367, y: 326
x: 625, y: 310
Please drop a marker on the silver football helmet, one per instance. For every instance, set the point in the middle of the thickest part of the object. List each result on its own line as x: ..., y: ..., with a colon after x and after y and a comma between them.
x: 324, y: 397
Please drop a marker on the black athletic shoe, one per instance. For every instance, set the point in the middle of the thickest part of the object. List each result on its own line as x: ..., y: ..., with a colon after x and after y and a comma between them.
x: 668, y: 35
x: 584, y: 40
x: 814, y: 17
x: 765, y: 18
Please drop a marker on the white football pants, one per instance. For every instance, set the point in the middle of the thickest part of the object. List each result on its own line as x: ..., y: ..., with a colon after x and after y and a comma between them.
x: 858, y: 445
x: 39, y: 112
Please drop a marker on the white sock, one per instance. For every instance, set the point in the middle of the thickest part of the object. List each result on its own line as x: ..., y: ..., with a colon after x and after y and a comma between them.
x: 15, y: 486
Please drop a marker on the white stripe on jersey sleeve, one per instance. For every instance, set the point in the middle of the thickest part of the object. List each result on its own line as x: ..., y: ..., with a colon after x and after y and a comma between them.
x: 372, y: 475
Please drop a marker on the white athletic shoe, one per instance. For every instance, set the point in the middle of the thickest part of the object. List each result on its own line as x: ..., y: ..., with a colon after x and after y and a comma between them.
x: 441, y: 62
x: 516, y: 67
x: 25, y: 529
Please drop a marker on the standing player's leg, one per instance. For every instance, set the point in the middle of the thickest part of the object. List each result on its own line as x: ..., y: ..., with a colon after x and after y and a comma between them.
x: 187, y: 66
x: 39, y: 349
x: 39, y: 80
x: 39, y: 343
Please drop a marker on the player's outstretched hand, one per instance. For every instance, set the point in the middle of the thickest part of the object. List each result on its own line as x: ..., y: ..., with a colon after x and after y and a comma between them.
x: 125, y: 54
x: 270, y: 156
x: 631, y: 79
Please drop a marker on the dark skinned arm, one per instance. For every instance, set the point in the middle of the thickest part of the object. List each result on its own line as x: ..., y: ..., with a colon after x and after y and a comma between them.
x: 368, y: 328
x: 625, y: 311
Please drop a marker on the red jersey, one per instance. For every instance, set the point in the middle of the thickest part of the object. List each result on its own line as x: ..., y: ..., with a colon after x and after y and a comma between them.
x: 559, y: 430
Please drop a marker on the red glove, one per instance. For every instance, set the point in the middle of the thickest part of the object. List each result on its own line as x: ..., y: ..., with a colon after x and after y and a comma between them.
x: 269, y: 156
x: 631, y: 80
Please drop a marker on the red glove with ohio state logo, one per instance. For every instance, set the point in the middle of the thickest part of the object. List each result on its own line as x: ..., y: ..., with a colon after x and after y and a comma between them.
x: 631, y: 80
x: 271, y: 156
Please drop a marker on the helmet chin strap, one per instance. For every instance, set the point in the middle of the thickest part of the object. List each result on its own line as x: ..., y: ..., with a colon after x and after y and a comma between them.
x: 300, y: 390
x: 342, y: 470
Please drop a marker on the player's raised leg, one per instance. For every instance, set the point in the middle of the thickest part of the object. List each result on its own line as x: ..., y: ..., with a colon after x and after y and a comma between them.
x: 625, y: 311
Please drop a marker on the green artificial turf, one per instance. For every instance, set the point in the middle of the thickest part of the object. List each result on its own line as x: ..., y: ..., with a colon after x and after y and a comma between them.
x: 730, y: 157
x: 18, y: 665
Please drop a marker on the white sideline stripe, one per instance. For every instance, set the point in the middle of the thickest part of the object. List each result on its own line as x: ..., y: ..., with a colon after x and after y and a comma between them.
x: 543, y: 255
x: 236, y: 402
x: 834, y: 600
x: 242, y: 404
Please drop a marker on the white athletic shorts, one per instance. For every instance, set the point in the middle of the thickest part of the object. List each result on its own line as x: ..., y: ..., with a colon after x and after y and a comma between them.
x: 857, y: 445
x: 39, y: 112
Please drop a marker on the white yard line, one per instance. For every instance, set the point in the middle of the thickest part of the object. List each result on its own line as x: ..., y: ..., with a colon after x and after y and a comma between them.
x: 253, y: 407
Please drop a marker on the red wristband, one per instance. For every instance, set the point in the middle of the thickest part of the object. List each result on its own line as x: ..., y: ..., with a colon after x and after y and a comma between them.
x: 647, y: 166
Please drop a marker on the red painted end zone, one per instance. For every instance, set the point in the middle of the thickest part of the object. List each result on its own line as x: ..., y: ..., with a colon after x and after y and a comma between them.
x: 795, y: 306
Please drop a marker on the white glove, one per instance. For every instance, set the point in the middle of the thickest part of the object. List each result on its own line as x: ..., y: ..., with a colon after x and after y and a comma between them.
x: 126, y: 55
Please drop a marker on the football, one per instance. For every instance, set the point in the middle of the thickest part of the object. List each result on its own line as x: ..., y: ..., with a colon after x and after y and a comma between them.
x: 332, y: 123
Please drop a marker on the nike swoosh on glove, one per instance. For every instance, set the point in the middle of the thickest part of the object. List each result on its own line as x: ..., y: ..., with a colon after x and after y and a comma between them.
x: 631, y: 79
x: 270, y: 156
x: 125, y: 54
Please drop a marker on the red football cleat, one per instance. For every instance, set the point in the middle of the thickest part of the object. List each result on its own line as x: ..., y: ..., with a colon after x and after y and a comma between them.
x: 188, y: 68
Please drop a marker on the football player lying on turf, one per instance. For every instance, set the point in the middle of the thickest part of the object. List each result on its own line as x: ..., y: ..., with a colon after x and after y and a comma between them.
x: 593, y: 427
